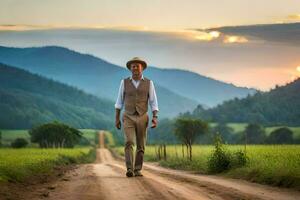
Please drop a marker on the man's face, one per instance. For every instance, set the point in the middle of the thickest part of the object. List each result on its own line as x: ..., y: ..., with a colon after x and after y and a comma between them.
x: 136, y: 68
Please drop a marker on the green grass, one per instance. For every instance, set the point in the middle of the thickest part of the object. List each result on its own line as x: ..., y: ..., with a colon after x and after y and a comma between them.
x: 17, y: 164
x: 270, y: 164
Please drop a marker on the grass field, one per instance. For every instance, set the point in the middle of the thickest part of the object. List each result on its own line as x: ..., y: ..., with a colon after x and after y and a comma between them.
x: 17, y: 164
x: 271, y: 164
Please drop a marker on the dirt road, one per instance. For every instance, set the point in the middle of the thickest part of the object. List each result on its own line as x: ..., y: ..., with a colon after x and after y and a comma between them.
x: 105, y: 179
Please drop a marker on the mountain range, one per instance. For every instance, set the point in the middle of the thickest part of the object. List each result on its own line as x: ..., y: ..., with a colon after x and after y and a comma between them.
x: 177, y: 90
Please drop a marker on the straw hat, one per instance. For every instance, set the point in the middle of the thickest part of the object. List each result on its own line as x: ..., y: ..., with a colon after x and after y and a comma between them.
x: 138, y: 60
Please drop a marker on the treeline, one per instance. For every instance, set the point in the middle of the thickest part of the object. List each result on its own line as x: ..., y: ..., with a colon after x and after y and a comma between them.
x: 253, y: 133
x: 280, y: 106
x: 28, y: 99
x: 54, y: 134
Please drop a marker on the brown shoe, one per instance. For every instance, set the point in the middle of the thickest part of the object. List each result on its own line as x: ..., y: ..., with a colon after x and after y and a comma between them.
x: 129, y: 173
x: 138, y: 173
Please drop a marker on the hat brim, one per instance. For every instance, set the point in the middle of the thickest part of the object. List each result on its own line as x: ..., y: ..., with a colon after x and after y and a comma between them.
x: 144, y: 64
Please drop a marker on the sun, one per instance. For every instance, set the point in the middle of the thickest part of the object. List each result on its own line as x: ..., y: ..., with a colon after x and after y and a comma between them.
x: 298, y: 68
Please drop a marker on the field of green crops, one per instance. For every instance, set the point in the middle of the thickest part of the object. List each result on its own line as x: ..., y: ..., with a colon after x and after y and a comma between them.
x: 17, y: 164
x: 271, y: 164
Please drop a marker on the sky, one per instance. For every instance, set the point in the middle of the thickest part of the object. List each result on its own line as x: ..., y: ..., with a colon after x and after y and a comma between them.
x: 163, y: 32
x: 154, y: 14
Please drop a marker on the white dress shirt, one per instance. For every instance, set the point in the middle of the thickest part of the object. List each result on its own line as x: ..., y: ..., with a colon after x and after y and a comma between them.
x: 152, y: 94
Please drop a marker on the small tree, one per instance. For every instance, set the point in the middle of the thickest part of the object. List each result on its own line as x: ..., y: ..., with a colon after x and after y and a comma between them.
x: 220, y: 159
x: 281, y: 135
x: 225, y: 131
x: 19, y: 143
x: 187, y: 130
x: 254, y: 134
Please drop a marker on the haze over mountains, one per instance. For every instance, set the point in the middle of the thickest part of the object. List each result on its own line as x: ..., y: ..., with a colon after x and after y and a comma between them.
x: 28, y: 99
x: 177, y: 90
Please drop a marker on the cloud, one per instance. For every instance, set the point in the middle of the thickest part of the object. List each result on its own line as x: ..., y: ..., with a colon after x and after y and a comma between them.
x: 294, y: 17
x: 207, y: 36
x: 235, y: 39
x: 13, y: 27
x: 21, y: 27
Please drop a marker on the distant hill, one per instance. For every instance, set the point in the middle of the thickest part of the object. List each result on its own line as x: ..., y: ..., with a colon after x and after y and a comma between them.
x: 207, y: 91
x: 279, y: 106
x: 183, y: 88
x: 28, y: 99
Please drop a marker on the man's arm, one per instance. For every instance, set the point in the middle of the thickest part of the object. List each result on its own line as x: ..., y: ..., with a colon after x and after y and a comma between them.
x: 153, y: 99
x: 153, y: 104
x: 119, y: 104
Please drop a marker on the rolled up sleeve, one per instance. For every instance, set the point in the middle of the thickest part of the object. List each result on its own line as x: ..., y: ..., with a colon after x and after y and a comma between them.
x: 120, y: 99
x: 152, y: 97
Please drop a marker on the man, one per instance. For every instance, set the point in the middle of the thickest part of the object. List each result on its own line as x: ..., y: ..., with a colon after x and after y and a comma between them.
x: 135, y: 92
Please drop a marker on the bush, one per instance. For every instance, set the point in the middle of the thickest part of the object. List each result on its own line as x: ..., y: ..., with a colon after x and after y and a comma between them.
x: 238, y: 159
x: 19, y: 143
x: 220, y: 159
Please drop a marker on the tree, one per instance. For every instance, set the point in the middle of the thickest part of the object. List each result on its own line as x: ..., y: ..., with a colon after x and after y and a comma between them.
x: 254, y: 134
x: 187, y: 130
x: 55, y: 134
x: 19, y: 143
x: 0, y: 138
x: 281, y: 135
x: 225, y: 131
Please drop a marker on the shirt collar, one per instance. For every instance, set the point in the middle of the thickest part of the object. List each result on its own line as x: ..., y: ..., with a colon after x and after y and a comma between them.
x: 142, y: 77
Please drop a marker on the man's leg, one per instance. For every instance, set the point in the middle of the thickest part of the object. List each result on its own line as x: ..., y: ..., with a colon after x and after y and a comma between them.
x: 129, y: 133
x: 141, y: 137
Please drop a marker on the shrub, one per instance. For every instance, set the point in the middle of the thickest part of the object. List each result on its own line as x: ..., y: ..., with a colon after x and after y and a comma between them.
x: 238, y: 159
x: 219, y: 161
x: 222, y: 160
x: 19, y: 143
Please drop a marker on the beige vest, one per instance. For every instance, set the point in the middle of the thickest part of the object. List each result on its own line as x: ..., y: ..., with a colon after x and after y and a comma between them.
x: 136, y: 99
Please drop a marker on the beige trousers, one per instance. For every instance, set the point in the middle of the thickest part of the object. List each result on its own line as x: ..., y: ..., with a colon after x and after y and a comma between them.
x: 135, y: 132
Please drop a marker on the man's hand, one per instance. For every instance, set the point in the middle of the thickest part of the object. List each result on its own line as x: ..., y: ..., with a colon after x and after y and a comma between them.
x: 118, y: 124
x: 154, y: 122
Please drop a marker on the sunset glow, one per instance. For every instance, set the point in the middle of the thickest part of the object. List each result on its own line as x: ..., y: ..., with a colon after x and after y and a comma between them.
x: 208, y: 36
x: 235, y: 39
